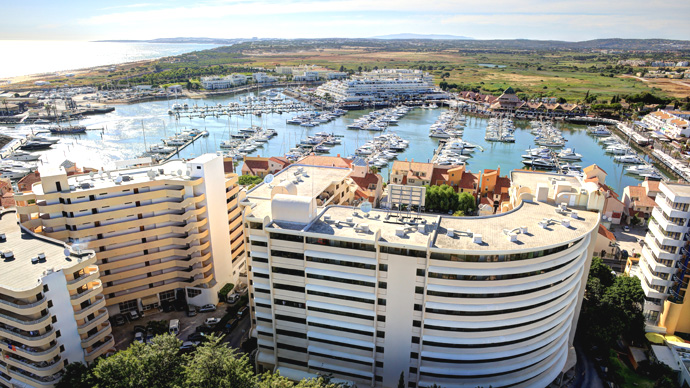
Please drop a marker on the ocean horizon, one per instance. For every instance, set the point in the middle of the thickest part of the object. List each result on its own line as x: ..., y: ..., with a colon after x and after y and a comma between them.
x: 41, y: 56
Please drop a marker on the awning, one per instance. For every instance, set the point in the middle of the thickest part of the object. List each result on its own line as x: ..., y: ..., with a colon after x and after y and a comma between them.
x: 153, y: 299
x: 673, y: 338
x: 655, y: 338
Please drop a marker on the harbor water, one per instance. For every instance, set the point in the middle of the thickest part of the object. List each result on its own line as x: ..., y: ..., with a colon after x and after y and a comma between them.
x: 130, y: 129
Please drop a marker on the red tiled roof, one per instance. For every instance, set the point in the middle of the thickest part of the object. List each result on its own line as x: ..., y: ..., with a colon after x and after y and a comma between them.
x: 606, y: 233
x: 502, y: 183
x: 366, y: 180
x: 468, y: 181
x: 592, y: 167
x: 280, y: 160
x: 254, y: 166
x: 653, y: 185
x: 644, y: 201
x: 637, y: 191
x: 28, y: 181
x: 7, y: 199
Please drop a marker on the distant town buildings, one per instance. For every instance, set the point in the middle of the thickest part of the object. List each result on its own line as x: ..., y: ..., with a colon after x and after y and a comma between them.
x: 667, y: 124
x: 310, y: 73
x: 217, y: 82
x: 263, y: 78
x: 258, y: 166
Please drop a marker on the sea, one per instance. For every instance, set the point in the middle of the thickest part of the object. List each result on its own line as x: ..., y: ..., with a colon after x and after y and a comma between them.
x: 40, y: 56
x: 129, y: 129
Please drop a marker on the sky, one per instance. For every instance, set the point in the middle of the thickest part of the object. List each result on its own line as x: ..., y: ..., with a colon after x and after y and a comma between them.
x: 573, y: 20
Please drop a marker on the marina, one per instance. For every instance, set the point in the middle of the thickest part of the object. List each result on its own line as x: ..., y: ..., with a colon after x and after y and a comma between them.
x: 124, y: 138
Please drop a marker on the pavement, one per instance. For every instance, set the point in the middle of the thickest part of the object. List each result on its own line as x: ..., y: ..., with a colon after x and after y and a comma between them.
x: 586, y: 375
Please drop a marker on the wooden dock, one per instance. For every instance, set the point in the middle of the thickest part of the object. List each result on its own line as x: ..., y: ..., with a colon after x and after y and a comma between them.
x: 169, y: 156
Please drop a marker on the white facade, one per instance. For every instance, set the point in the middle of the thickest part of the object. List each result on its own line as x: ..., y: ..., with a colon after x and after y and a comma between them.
x: 218, y: 82
x: 671, y: 125
x: 263, y: 78
x: 662, y: 249
x: 445, y: 300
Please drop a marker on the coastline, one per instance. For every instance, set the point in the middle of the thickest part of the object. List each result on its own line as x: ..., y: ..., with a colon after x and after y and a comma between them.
x: 82, y: 72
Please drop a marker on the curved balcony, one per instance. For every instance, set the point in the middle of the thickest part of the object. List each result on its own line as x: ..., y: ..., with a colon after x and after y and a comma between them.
x: 27, y: 325
x: 33, y: 381
x: 182, y: 273
x: 135, y: 248
x: 40, y: 340
x: 42, y: 369
x: 94, y: 288
x: 103, y: 330
x: 87, y: 274
x: 179, y: 262
x: 99, y: 349
x: 28, y: 353
x: 94, y: 306
x: 98, y: 319
x: 114, y: 264
x: 24, y: 309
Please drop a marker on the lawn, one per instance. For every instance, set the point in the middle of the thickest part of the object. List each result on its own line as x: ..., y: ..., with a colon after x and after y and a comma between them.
x: 629, y: 377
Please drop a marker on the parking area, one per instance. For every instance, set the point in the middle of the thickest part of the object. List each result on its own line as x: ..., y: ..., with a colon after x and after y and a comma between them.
x: 630, y: 241
x: 124, y: 334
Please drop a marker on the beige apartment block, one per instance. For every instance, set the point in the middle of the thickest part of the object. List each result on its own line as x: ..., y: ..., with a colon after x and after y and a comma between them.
x: 155, y: 230
x: 52, y: 309
x: 457, y: 301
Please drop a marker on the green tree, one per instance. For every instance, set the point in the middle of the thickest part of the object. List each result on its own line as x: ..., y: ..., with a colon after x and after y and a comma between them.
x: 157, y: 365
x: 401, y: 380
x: 245, y: 180
x: 77, y: 375
x: 466, y: 203
x: 214, y: 364
x: 600, y: 271
x: 635, y: 220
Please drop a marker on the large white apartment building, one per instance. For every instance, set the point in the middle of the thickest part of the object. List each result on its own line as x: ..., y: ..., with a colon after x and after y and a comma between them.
x: 382, y: 85
x: 218, y: 82
x: 663, y: 265
x: 52, y: 310
x: 156, y: 230
x: 461, y: 302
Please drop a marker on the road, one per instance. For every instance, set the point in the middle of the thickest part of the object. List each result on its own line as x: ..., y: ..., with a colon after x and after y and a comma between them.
x: 239, y: 333
x: 585, y: 371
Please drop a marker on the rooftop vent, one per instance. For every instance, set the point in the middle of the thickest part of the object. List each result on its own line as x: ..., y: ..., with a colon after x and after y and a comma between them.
x: 543, y: 224
x: 512, y: 237
x: 327, y: 218
x: 573, y: 214
x: 348, y: 219
x: 477, y: 238
x: 364, y: 228
x: 8, y: 255
x: 400, y: 232
x: 126, y: 178
x: 85, y: 185
x: 34, y: 260
x: 3, y: 237
x: 450, y: 232
x: 523, y: 229
x: 41, y: 257
x: 565, y: 222
x: 563, y: 206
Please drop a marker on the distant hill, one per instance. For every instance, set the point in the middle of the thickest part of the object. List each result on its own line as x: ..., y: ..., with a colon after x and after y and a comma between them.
x: 421, y: 36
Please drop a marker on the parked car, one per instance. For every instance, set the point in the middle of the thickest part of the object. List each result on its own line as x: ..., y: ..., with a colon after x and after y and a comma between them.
x: 119, y: 320
x: 242, y: 312
x: 174, y: 327
x: 204, y: 329
x: 230, y: 325
x: 139, y: 337
x: 188, y: 346
x: 191, y: 311
x: 196, y: 337
x: 134, y: 315
x: 139, y: 329
x: 149, y: 337
x: 211, y: 321
x: 207, y: 308
x: 626, y: 228
x: 232, y: 298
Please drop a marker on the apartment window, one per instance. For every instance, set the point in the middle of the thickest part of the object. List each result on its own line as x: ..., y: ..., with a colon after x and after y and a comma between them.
x: 54, y: 319
x: 383, y: 267
x: 256, y: 225
x: 403, y: 252
x: 45, y: 288
x: 287, y: 255
x: 50, y: 303
x: 419, y: 290
x: 381, y: 318
x: 287, y: 237
x: 415, y: 339
x: 414, y: 355
x: 379, y: 364
x: 57, y: 334
x: 417, y: 323
x: 341, y: 244
x: 340, y: 262
x: 259, y: 243
x: 421, y: 271
x: 288, y: 287
x: 380, y: 334
x: 383, y: 285
x: 287, y: 271
x: 62, y: 348
x: 129, y: 305
x: 382, y: 302
x: 417, y: 307
x: 413, y: 370
x: 379, y: 349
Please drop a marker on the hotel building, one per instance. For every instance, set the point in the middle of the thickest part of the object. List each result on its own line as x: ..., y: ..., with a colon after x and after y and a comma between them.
x: 461, y: 302
x: 156, y: 230
x: 382, y: 85
x: 663, y: 265
x: 52, y: 310
x: 218, y: 82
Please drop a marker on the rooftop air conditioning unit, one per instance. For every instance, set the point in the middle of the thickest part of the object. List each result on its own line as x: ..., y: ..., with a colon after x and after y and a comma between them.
x: 573, y: 214
x: 348, y: 219
x: 42, y: 256
x: 400, y: 232
x: 450, y: 232
x: 523, y: 229
x: 565, y: 222
x: 364, y: 227
x: 34, y: 260
x: 543, y: 224
x: 9, y: 255
x: 512, y: 237
x: 327, y: 218
x: 477, y: 238
x: 3, y: 237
